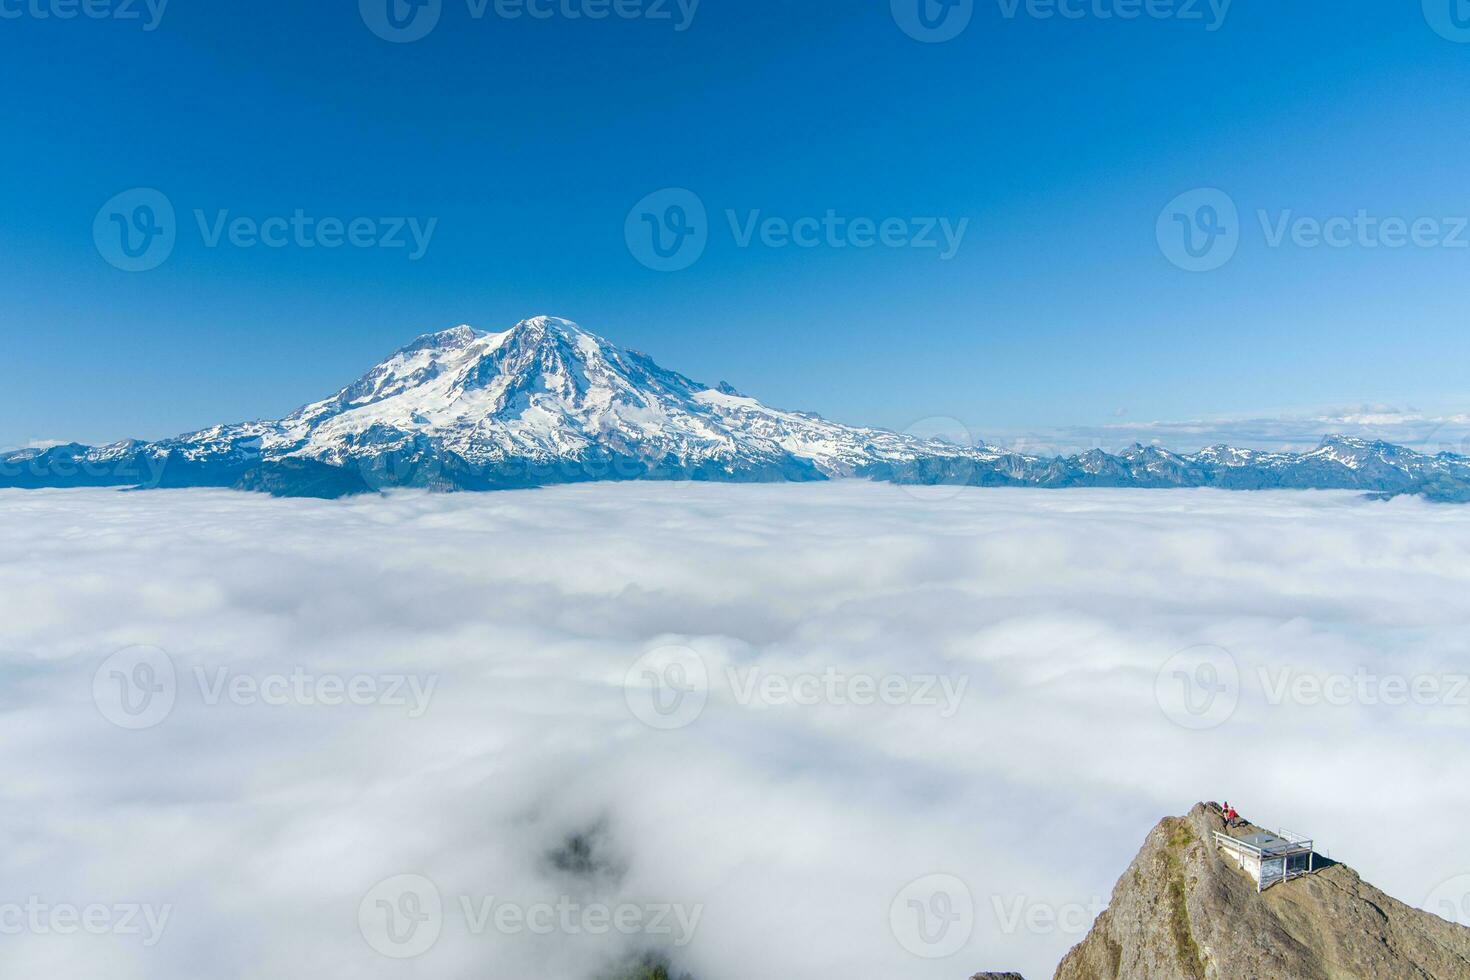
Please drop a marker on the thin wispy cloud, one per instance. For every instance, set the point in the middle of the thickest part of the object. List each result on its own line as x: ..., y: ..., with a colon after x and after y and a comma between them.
x: 1427, y: 432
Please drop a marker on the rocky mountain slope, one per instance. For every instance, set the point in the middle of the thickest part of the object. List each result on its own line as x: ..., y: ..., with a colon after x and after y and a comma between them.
x: 1182, y: 912
x: 547, y: 402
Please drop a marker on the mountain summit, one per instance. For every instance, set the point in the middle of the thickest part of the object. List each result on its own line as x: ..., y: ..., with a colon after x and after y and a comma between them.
x: 548, y: 402
x: 1183, y: 911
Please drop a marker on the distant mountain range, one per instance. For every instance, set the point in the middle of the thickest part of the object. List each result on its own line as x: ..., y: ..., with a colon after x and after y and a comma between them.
x: 547, y: 403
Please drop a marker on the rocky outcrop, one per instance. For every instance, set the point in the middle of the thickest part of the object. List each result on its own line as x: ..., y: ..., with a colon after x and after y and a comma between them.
x: 1182, y: 912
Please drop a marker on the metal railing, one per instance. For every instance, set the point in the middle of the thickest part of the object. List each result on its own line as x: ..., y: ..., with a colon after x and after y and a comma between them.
x: 1291, y: 845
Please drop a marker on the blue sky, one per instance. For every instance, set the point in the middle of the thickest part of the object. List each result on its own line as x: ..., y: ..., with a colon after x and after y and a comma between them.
x: 525, y: 143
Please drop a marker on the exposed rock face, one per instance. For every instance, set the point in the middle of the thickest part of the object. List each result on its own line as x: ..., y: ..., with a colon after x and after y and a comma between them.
x: 547, y: 402
x: 1182, y: 912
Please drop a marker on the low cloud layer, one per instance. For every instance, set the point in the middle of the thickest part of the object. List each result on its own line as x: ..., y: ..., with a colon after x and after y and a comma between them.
x: 840, y: 730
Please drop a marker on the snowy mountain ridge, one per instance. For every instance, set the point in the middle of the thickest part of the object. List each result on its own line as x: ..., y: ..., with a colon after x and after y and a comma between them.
x: 548, y: 402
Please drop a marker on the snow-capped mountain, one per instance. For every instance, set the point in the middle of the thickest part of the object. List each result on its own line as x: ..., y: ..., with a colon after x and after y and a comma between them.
x: 548, y: 402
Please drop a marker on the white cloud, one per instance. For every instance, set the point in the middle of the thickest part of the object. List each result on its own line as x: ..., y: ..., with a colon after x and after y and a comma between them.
x: 792, y: 827
x: 1424, y: 432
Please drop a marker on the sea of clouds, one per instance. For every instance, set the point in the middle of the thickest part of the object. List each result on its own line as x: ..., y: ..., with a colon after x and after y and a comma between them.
x: 843, y: 730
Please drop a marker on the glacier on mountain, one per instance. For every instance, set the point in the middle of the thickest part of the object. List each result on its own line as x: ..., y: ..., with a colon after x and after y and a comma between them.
x: 547, y: 402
